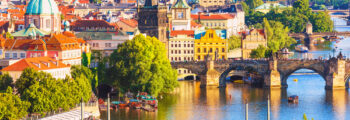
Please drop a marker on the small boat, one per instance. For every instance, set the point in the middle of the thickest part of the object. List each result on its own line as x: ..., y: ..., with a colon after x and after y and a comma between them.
x: 285, y: 51
x: 295, y: 80
x: 148, y: 108
x: 293, y: 99
x: 239, y: 81
x: 301, y: 48
x: 115, y: 102
x: 122, y: 105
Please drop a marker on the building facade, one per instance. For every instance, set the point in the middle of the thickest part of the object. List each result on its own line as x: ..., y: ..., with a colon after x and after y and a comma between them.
x: 181, y: 16
x: 181, y: 46
x: 225, y: 21
x: 207, y: 3
x: 252, y: 40
x: 211, y: 44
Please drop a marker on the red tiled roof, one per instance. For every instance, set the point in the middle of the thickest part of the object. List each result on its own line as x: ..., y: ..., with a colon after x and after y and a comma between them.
x: 62, y: 42
x: 213, y: 16
x: 2, y: 23
x: 130, y: 22
x: 182, y: 32
x: 91, y: 23
x: 195, y: 25
x: 17, y: 44
x: 37, y: 63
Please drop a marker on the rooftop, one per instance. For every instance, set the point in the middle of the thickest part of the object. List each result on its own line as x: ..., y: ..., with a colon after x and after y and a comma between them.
x: 224, y: 16
x: 37, y: 63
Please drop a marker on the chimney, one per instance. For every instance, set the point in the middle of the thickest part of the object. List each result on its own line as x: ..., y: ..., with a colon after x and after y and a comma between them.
x: 199, y: 17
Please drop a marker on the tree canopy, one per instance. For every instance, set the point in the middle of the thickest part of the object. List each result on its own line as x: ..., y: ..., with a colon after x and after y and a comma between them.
x: 234, y: 42
x: 141, y: 64
x: 11, y: 106
x: 5, y: 81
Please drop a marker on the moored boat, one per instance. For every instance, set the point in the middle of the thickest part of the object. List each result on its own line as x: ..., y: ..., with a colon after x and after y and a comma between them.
x: 301, y: 48
x: 293, y: 99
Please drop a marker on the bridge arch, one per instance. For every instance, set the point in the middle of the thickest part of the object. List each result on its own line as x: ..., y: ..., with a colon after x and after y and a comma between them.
x: 250, y: 68
x: 286, y: 74
x: 186, y: 74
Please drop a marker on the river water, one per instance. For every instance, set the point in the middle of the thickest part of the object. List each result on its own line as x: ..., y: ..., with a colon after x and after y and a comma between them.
x: 190, y: 102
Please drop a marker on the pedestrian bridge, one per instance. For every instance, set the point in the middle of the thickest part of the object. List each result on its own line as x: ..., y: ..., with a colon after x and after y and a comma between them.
x: 272, y: 73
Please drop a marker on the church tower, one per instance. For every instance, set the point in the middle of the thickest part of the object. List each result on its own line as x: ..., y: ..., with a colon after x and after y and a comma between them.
x: 152, y: 20
x: 181, y: 14
x: 44, y: 14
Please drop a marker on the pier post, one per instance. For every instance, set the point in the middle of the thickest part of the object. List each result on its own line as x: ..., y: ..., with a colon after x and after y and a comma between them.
x: 82, y: 109
x: 246, y: 110
x: 108, y: 108
x: 268, y: 107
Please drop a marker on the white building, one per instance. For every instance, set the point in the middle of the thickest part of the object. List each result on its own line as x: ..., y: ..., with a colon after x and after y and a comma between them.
x: 181, y: 46
x: 46, y: 64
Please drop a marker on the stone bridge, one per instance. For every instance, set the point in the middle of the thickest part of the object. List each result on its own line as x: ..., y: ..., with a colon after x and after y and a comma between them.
x: 336, y: 13
x: 310, y: 39
x: 272, y: 73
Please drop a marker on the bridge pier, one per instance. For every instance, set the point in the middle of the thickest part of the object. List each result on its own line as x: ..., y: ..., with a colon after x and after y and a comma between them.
x: 273, y: 78
x: 336, y: 78
x: 211, y: 77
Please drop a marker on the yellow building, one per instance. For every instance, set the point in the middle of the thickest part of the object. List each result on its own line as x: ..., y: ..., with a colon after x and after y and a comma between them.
x: 210, y: 43
x: 252, y: 40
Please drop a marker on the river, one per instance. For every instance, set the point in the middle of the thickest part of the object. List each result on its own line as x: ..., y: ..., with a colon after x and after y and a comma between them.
x: 190, y: 102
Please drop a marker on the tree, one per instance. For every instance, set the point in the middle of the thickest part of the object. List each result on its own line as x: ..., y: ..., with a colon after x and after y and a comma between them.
x: 254, y: 3
x: 302, y: 5
x: 78, y: 70
x: 234, y: 42
x: 258, y: 52
x: 141, y: 64
x: 11, y: 106
x: 321, y: 22
x: 28, y: 77
x: 5, y: 81
x: 277, y: 35
x: 86, y: 59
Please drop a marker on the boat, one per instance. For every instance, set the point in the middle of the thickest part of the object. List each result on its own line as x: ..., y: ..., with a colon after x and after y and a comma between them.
x: 239, y: 81
x: 115, y: 102
x: 295, y: 80
x: 148, y: 108
x: 301, y: 48
x: 285, y: 51
x: 293, y: 99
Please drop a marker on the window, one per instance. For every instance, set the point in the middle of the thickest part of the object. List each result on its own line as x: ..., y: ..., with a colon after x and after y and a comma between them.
x: 179, y: 58
x: 179, y: 45
x: 7, y: 55
x: 185, y: 51
x: 188, y: 45
x: 175, y: 51
x: 175, y: 45
x: 48, y: 24
x: 217, y: 49
x: 172, y: 51
x: 205, y: 50
x: 198, y: 50
x: 172, y: 45
x: 223, y: 49
x: 172, y: 59
x: 14, y: 55
x: 191, y: 45
x: 192, y: 51
x: 199, y: 57
x: 108, y: 44
x: 211, y: 50
x: 179, y: 51
x: 180, y: 15
x: 23, y: 55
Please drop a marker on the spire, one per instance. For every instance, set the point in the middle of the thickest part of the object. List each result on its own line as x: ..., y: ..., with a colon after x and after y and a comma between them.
x: 151, y: 2
x: 181, y: 4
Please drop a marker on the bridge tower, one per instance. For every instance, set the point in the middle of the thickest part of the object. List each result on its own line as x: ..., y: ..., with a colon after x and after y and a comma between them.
x: 273, y: 78
x: 211, y: 77
x: 348, y: 22
x: 336, y: 76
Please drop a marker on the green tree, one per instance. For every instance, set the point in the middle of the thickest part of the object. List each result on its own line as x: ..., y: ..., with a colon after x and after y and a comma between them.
x: 303, y: 5
x: 246, y: 8
x: 277, y: 35
x: 234, y: 42
x: 5, y: 81
x: 11, y: 106
x: 259, y: 52
x: 86, y: 59
x: 254, y: 3
x: 141, y: 64
x: 321, y: 22
x: 28, y: 77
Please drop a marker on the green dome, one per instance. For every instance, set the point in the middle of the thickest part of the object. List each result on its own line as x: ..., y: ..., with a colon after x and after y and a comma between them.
x: 38, y: 7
